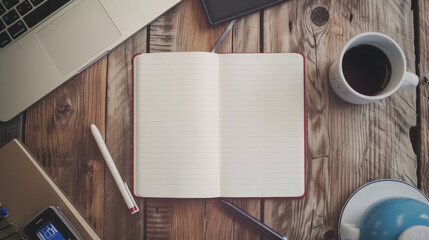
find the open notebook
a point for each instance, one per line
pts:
(219, 125)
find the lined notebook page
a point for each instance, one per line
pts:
(176, 107)
(262, 125)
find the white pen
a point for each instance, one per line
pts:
(123, 187)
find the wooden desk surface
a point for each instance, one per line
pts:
(347, 145)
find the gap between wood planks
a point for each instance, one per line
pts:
(415, 132)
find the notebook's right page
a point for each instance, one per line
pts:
(262, 125)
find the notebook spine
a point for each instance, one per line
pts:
(8, 229)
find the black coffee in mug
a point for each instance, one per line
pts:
(367, 69)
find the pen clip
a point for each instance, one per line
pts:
(136, 208)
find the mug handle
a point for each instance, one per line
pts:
(349, 231)
(411, 80)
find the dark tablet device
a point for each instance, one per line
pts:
(51, 224)
(218, 11)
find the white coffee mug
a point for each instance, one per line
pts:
(399, 78)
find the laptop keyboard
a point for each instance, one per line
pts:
(19, 16)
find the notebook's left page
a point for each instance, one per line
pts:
(176, 125)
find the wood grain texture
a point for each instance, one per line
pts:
(423, 8)
(347, 145)
(12, 129)
(119, 140)
(182, 29)
(175, 219)
(57, 133)
(246, 34)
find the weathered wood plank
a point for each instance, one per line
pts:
(12, 129)
(220, 224)
(245, 39)
(182, 29)
(246, 34)
(119, 140)
(347, 145)
(175, 219)
(243, 230)
(57, 133)
(423, 7)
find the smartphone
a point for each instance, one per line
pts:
(51, 224)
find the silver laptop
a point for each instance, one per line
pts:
(45, 42)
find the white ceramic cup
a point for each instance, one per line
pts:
(399, 78)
